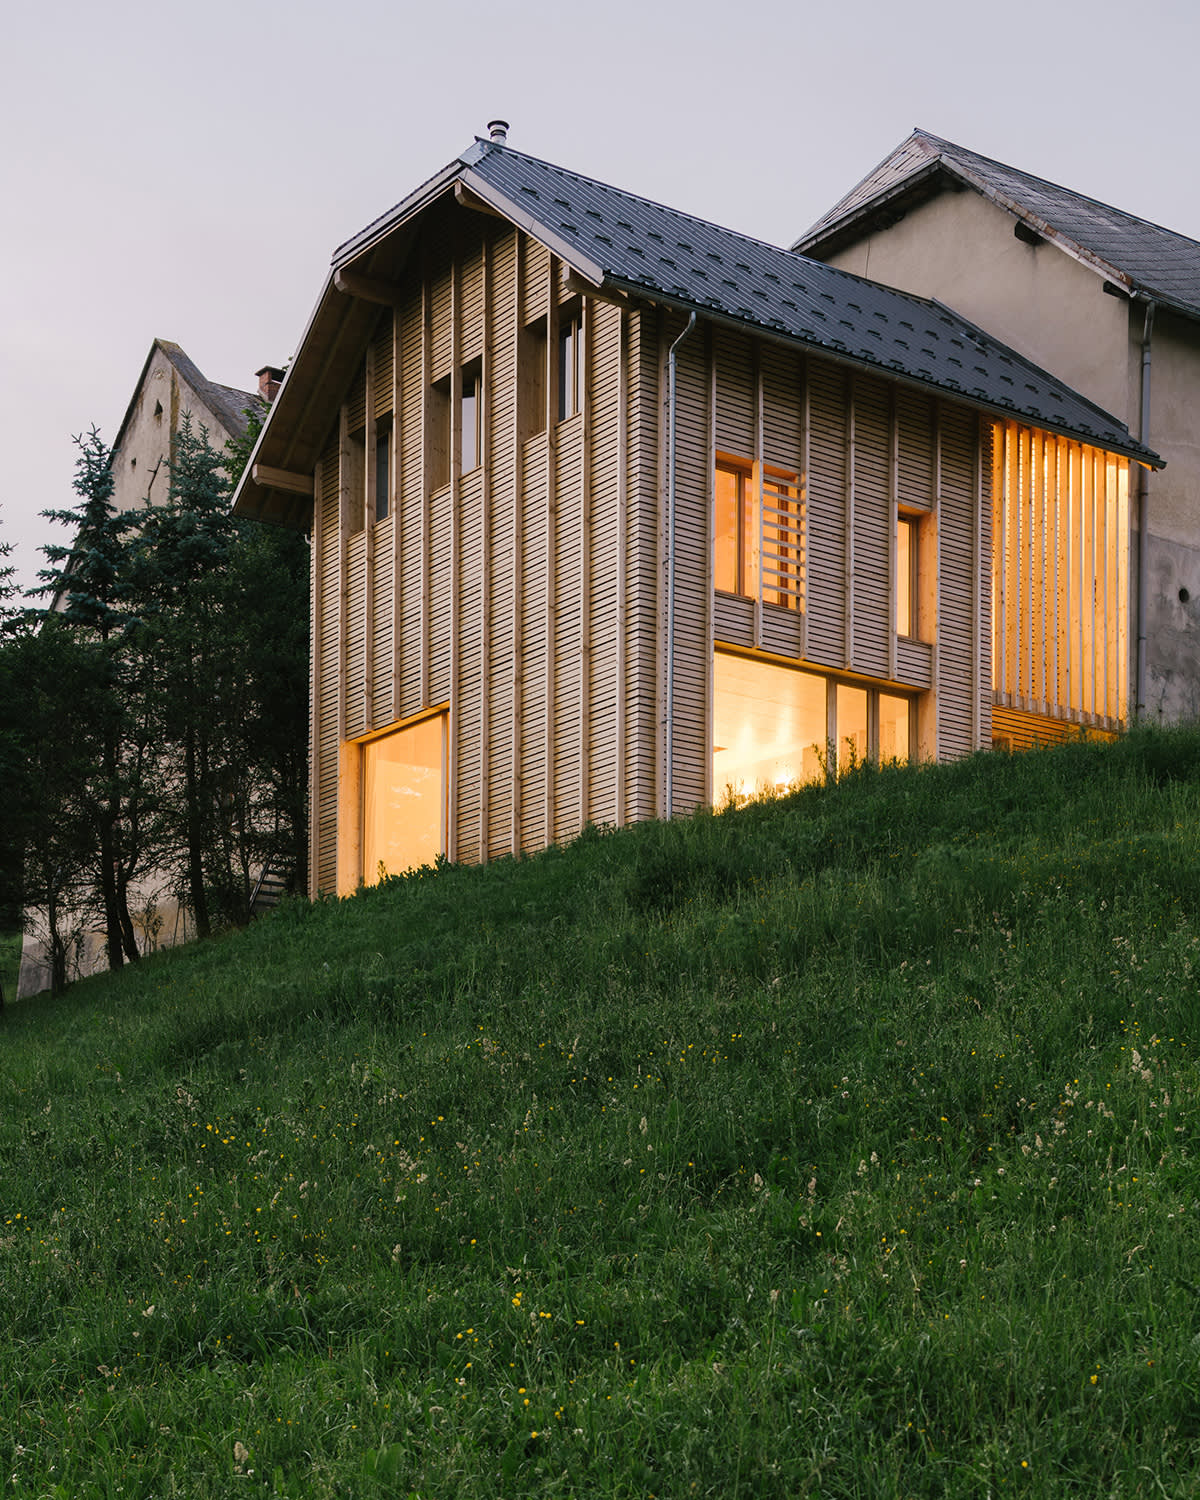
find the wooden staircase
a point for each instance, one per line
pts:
(269, 887)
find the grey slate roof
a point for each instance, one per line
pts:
(225, 401)
(1134, 253)
(617, 239)
(625, 245)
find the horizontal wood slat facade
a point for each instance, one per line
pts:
(519, 578)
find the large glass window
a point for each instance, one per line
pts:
(404, 802)
(770, 727)
(776, 727)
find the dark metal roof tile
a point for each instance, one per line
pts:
(860, 307)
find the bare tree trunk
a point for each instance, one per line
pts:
(195, 855)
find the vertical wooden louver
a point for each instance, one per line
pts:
(1060, 645)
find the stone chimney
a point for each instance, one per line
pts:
(269, 381)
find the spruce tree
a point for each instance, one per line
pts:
(88, 586)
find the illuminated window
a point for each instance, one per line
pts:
(851, 735)
(758, 533)
(770, 727)
(895, 728)
(404, 802)
(907, 552)
(777, 727)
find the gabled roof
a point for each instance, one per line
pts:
(224, 401)
(624, 245)
(1133, 253)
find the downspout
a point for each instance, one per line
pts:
(1143, 511)
(691, 323)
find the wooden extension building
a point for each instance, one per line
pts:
(616, 513)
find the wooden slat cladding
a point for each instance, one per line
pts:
(1061, 579)
(1014, 729)
(961, 630)
(383, 382)
(519, 577)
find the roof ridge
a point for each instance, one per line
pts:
(1058, 187)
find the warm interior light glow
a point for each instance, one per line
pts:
(906, 527)
(735, 533)
(852, 742)
(403, 800)
(769, 727)
(895, 718)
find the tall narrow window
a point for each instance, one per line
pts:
(895, 728)
(853, 744)
(354, 480)
(531, 380)
(746, 553)
(437, 434)
(383, 467)
(735, 536)
(570, 361)
(907, 535)
(472, 415)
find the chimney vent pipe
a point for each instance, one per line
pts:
(498, 130)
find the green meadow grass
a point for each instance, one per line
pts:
(843, 1145)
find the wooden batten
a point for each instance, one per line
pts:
(517, 589)
(621, 564)
(1059, 580)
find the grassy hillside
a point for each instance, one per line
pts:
(842, 1146)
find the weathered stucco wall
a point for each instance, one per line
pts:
(141, 457)
(961, 249)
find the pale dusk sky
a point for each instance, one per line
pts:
(185, 172)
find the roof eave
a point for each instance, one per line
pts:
(849, 225)
(1132, 450)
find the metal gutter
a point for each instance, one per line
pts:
(1143, 512)
(670, 748)
(1013, 413)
